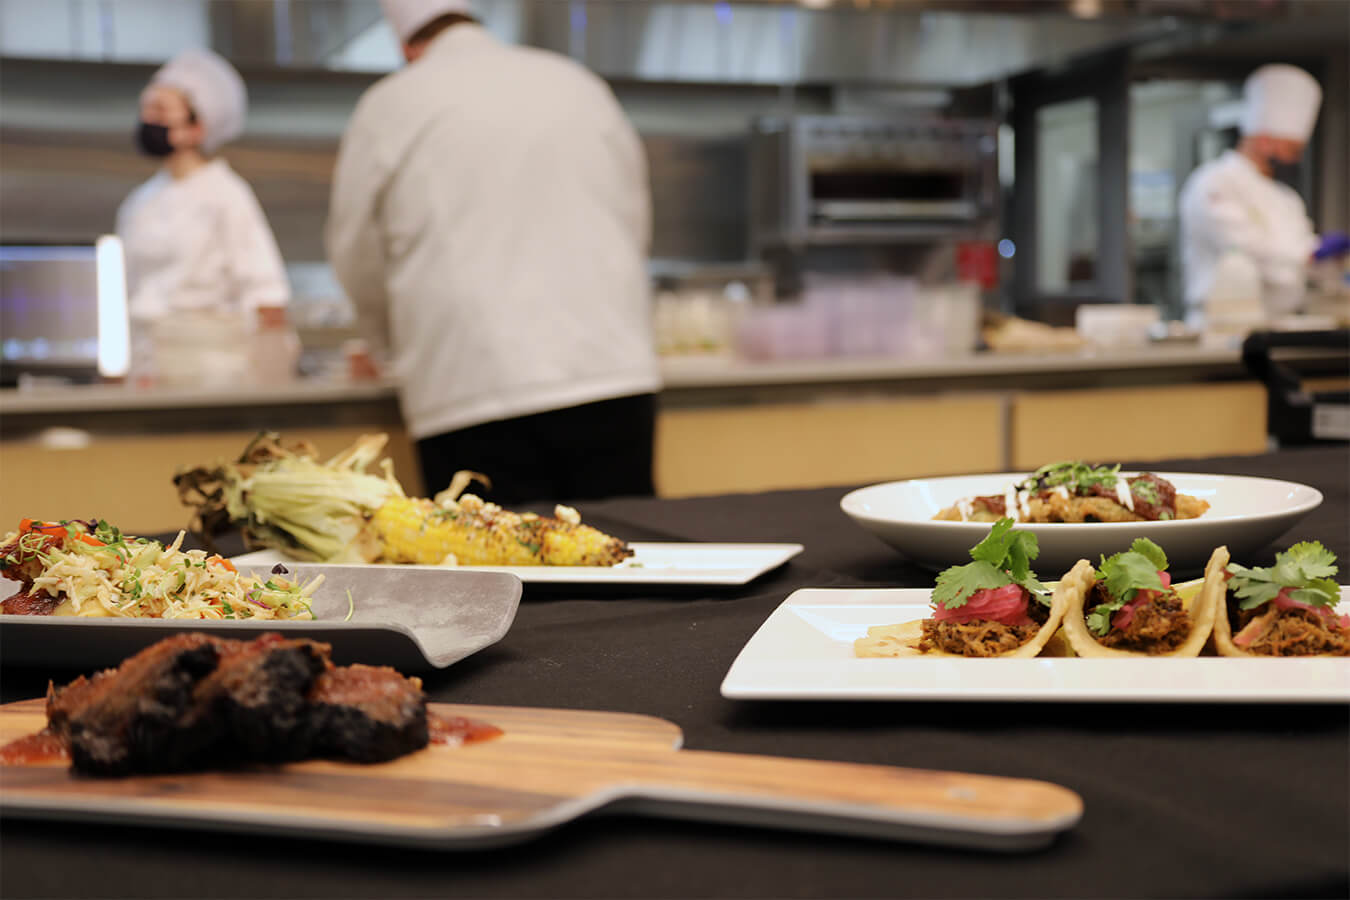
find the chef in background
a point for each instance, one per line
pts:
(204, 275)
(1246, 237)
(490, 220)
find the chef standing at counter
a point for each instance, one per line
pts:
(203, 269)
(490, 220)
(1243, 233)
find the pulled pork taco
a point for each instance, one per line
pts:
(1128, 607)
(1288, 609)
(992, 606)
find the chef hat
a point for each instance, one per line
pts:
(407, 16)
(214, 89)
(1281, 101)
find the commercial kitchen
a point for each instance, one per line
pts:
(892, 242)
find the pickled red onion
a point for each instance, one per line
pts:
(1284, 601)
(1006, 605)
(1125, 615)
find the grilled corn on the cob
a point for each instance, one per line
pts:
(335, 511)
(471, 532)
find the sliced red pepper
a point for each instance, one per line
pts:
(57, 530)
(31, 526)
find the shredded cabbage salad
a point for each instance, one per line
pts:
(98, 571)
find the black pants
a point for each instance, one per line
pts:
(586, 452)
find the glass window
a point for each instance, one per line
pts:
(1174, 126)
(1066, 183)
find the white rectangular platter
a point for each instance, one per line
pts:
(651, 563)
(804, 651)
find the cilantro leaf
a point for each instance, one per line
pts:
(994, 548)
(1323, 592)
(1123, 576)
(955, 585)
(1077, 476)
(107, 533)
(1011, 551)
(1145, 490)
(1002, 558)
(1253, 587)
(1151, 551)
(1303, 562)
(1099, 619)
(1305, 568)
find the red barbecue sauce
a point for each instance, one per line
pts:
(456, 730)
(34, 749)
(45, 747)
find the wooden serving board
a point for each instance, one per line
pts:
(549, 767)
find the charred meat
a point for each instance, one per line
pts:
(30, 603)
(367, 714)
(125, 719)
(21, 555)
(192, 701)
(254, 704)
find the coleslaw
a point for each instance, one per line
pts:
(90, 569)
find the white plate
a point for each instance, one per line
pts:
(411, 620)
(804, 651)
(651, 563)
(1246, 514)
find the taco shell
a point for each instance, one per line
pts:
(1216, 590)
(1200, 607)
(903, 639)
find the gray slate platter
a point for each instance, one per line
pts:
(411, 619)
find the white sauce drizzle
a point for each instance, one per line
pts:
(966, 506)
(1123, 494)
(1062, 491)
(1024, 504)
(1010, 500)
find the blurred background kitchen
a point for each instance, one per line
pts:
(875, 223)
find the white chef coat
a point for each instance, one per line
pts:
(199, 243)
(490, 219)
(1226, 206)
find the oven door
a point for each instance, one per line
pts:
(857, 195)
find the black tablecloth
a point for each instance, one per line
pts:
(1185, 800)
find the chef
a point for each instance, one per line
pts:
(1243, 233)
(490, 219)
(200, 255)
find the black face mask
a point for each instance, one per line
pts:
(153, 140)
(1284, 172)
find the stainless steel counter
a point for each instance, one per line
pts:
(689, 381)
(696, 372)
(115, 409)
(111, 398)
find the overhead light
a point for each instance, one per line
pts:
(114, 332)
(1085, 9)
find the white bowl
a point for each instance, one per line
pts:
(1246, 514)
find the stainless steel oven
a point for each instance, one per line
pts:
(833, 179)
